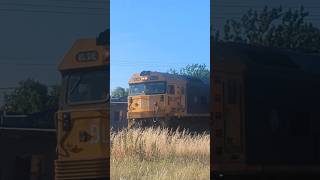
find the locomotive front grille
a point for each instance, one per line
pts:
(81, 169)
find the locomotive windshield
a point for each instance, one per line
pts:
(147, 88)
(87, 86)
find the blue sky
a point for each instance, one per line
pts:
(157, 35)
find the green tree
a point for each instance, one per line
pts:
(120, 92)
(53, 97)
(274, 27)
(31, 96)
(195, 70)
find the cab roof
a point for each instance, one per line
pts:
(162, 76)
(85, 53)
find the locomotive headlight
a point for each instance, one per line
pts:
(144, 78)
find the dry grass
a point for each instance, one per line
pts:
(159, 154)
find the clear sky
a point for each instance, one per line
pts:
(157, 35)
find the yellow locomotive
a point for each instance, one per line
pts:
(82, 120)
(167, 100)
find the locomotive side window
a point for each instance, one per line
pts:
(171, 89)
(155, 88)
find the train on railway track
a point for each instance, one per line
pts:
(82, 120)
(169, 101)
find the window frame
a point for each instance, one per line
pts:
(150, 82)
(66, 78)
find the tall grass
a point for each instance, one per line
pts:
(159, 154)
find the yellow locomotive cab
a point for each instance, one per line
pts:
(82, 119)
(167, 100)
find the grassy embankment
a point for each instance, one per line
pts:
(159, 154)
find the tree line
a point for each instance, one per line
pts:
(30, 97)
(273, 27)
